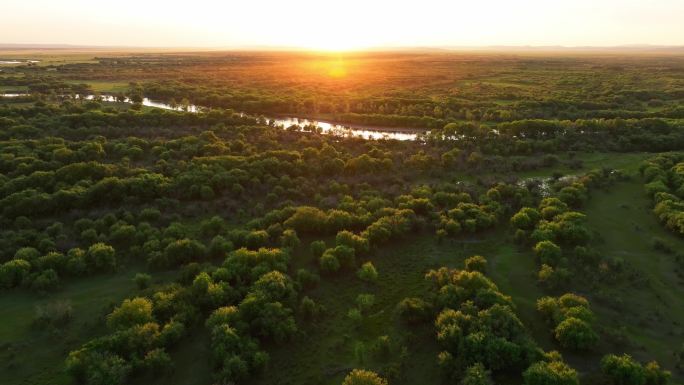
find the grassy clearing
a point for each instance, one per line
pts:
(12, 88)
(651, 309)
(91, 298)
(325, 350)
(103, 86)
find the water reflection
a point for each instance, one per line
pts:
(19, 61)
(289, 123)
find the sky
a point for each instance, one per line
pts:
(342, 24)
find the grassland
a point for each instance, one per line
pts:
(324, 351)
(189, 162)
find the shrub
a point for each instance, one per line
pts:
(548, 253)
(365, 302)
(142, 281)
(289, 239)
(308, 308)
(317, 248)
(367, 272)
(550, 373)
(413, 310)
(307, 279)
(328, 262)
(55, 314)
(477, 374)
(363, 377)
(476, 263)
(574, 333)
(101, 257)
(132, 312)
(45, 280)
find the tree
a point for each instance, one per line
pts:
(158, 360)
(363, 377)
(183, 251)
(101, 257)
(476, 263)
(307, 220)
(477, 374)
(289, 239)
(275, 286)
(317, 248)
(136, 311)
(13, 272)
(219, 247)
(328, 262)
(622, 370)
(367, 272)
(548, 253)
(525, 219)
(351, 240)
(97, 368)
(413, 310)
(267, 320)
(550, 373)
(575, 333)
(655, 375)
(256, 239)
(142, 280)
(45, 280)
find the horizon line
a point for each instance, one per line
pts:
(284, 48)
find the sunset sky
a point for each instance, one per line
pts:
(342, 24)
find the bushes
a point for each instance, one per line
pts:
(572, 319)
(476, 263)
(548, 253)
(307, 220)
(54, 314)
(44, 281)
(575, 333)
(328, 262)
(550, 373)
(363, 377)
(349, 239)
(664, 176)
(623, 370)
(334, 259)
(289, 239)
(13, 273)
(414, 310)
(477, 374)
(136, 311)
(367, 272)
(477, 324)
(181, 251)
(317, 248)
(101, 257)
(142, 281)
(97, 368)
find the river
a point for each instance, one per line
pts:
(299, 124)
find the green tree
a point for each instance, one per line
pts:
(136, 311)
(367, 272)
(550, 373)
(363, 377)
(477, 374)
(476, 263)
(101, 257)
(574, 333)
(548, 253)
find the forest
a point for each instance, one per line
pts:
(532, 233)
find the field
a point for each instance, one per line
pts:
(240, 241)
